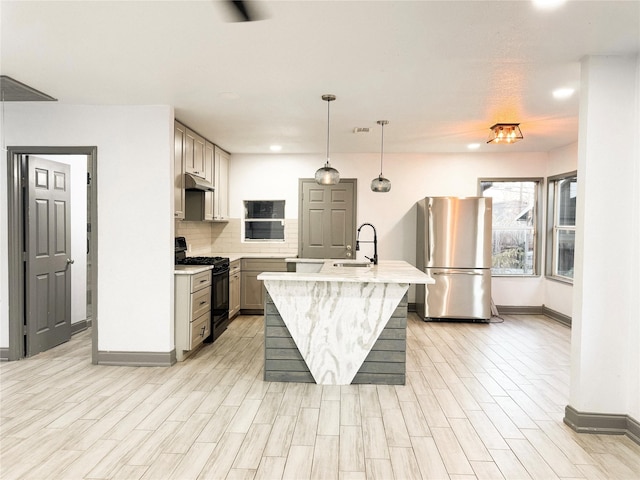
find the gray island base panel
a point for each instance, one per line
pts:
(384, 364)
(339, 325)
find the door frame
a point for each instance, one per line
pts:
(16, 228)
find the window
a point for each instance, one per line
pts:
(515, 224)
(264, 220)
(561, 225)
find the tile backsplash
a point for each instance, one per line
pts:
(219, 238)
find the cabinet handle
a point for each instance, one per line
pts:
(202, 331)
(203, 302)
(204, 281)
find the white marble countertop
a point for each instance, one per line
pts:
(190, 269)
(307, 260)
(238, 256)
(387, 271)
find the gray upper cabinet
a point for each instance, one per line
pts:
(179, 138)
(209, 174)
(194, 153)
(198, 156)
(221, 202)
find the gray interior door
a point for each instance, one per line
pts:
(327, 219)
(48, 260)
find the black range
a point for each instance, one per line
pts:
(219, 286)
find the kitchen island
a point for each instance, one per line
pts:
(344, 323)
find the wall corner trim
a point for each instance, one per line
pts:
(602, 423)
(137, 359)
(535, 310)
(557, 316)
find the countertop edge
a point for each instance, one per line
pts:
(398, 271)
(190, 269)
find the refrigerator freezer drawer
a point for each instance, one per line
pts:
(459, 293)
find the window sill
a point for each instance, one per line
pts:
(566, 281)
(263, 240)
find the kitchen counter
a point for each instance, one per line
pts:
(237, 255)
(190, 269)
(335, 318)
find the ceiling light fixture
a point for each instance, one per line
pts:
(505, 133)
(473, 146)
(275, 148)
(562, 93)
(381, 184)
(548, 4)
(327, 175)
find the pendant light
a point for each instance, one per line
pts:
(381, 184)
(327, 175)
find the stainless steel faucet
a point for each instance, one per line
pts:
(373, 260)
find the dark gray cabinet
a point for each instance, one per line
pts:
(251, 291)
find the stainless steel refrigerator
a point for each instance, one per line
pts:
(454, 248)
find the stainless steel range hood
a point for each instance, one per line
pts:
(191, 182)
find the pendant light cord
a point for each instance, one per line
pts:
(4, 141)
(328, 129)
(381, 148)
(382, 123)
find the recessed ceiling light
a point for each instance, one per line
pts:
(562, 93)
(275, 148)
(548, 4)
(229, 95)
(473, 146)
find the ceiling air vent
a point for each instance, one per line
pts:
(361, 130)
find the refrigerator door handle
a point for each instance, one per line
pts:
(457, 272)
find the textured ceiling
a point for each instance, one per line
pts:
(441, 72)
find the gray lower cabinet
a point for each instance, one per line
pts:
(251, 291)
(234, 288)
(192, 311)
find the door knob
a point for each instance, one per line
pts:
(349, 248)
(69, 262)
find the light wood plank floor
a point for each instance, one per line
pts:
(481, 402)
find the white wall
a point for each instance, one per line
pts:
(605, 358)
(135, 212)
(413, 176)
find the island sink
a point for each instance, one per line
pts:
(353, 264)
